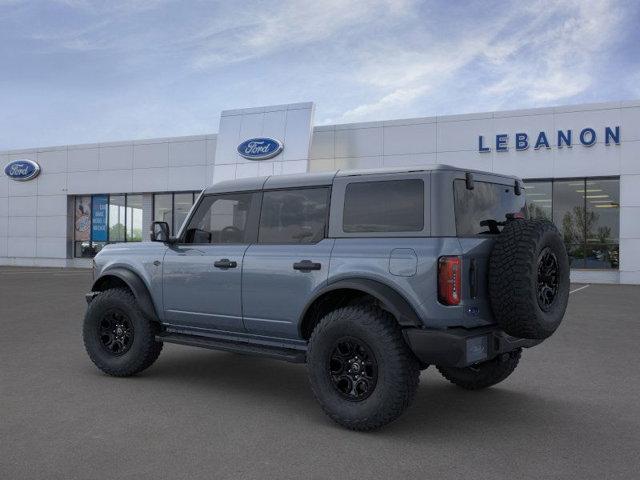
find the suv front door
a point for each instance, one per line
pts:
(289, 262)
(202, 272)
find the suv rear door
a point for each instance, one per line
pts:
(289, 261)
(480, 213)
(202, 272)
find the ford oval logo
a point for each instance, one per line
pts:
(22, 170)
(260, 148)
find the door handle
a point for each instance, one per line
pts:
(225, 263)
(306, 265)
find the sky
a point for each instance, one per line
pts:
(80, 71)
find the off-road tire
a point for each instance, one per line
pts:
(484, 374)
(144, 349)
(514, 278)
(398, 371)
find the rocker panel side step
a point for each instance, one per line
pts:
(286, 354)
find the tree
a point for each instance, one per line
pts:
(116, 232)
(604, 234)
(577, 225)
(536, 212)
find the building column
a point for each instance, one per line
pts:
(629, 229)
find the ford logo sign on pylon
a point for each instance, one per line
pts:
(260, 148)
(22, 170)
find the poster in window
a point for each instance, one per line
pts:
(82, 219)
(99, 208)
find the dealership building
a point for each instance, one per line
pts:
(581, 165)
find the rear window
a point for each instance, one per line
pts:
(483, 209)
(385, 206)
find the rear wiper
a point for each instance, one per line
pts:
(493, 225)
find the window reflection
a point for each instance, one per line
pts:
(172, 208)
(587, 214)
(134, 218)
(101, 219)
(568, 210)
(603, 223)
(163, 208)
(182, 204)
(82, 227)
(539, 200)
(117, 218)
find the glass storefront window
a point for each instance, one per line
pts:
(603, 223)
(539, 199)
(587, 214)
(82, 227)
(569, 217)
(172, 208)
(182, 203)
(134, 218)
(163, 208)
(117, 218)
(568, 210)
(102, 219)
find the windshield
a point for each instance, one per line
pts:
(483, 210)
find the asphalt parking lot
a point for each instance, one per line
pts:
(571, 409)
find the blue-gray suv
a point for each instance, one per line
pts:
(365, 276)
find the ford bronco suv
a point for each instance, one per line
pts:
(365, 276)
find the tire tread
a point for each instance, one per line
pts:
(405, 368)
(512, 265)
(486, 375)
(150, 347)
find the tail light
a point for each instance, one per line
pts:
(449, 274)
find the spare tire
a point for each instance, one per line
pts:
(529, 278)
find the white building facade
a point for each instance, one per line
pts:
(581, 165)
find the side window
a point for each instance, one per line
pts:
(384, 206)
(294, 216)
(220, 219)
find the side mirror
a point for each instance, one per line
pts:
(159, 232)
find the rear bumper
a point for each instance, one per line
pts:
(460, 347)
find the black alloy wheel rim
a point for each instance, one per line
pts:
(353, 369)
(548, 278)
(115, 332)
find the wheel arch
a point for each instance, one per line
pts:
(119, 277)
(348, 290)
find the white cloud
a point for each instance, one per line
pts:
(554, 63)
(253, 33)
(160, 68)
(404, 76)
(397, 98)
(544, 52)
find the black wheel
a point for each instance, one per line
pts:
(119, 339)
(353, 369)
(529, 279)
(361, 371)
(484, 374)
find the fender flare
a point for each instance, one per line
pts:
(135, 284)
(391, 300)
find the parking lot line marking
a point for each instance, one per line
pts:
(580, 288)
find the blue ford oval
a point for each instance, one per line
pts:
(22, 170)
(260, 148)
